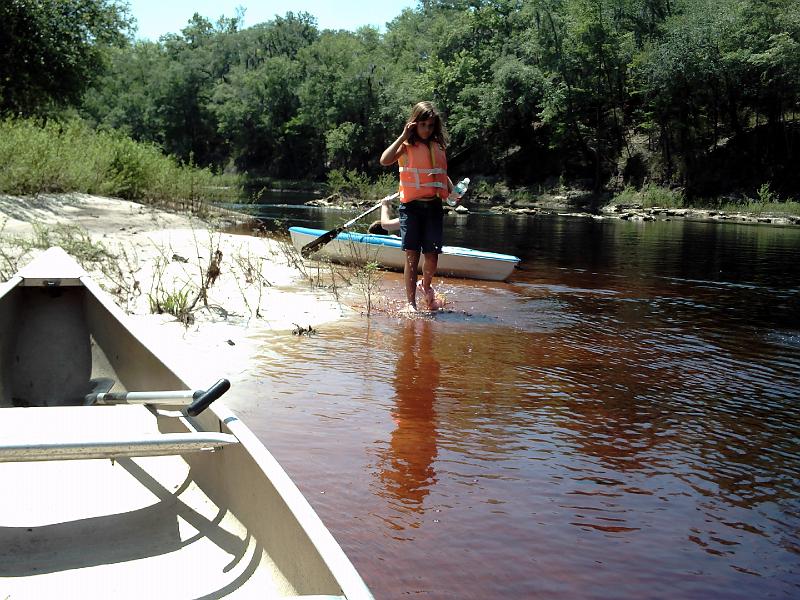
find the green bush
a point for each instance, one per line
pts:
(348, 182)
(488, 188)
(657, 196)
(766, 195)
(356, 184)
(759, 208)
(627, 197)
(175, 303)
(650, 196)
(71, 157)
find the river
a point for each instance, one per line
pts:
(620, 419)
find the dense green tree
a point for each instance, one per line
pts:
(719, 68)
(52, 50)
(125, 97)
(256, 103)
(252, 108)
(342, 92)
(593, 91)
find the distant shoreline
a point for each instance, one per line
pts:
(560, 204)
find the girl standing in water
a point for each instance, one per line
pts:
(424, 184)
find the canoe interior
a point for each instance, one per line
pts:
(132, 528)
(207, 524)
(55, 341)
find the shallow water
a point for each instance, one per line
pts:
(619, 420)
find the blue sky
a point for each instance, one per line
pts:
(157, 17)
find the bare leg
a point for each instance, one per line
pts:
(410, 270)
(428, 271)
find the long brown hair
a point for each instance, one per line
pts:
(423, 111)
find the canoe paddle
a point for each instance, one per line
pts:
(328, 236)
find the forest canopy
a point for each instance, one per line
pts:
(702, 94)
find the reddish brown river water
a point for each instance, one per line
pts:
(619, 420)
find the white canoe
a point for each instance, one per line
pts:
(135, 500)
(363, 248)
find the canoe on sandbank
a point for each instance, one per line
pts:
(112, 489)
(363, 248)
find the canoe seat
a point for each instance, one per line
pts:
(144, 445)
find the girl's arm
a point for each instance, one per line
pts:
(393, 152)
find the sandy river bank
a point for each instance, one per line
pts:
(140, 254)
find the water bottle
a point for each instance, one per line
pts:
(458, 191)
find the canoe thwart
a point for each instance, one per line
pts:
(167, 398)
(164, 444)
(196, 400)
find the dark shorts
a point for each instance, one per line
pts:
(421, 225)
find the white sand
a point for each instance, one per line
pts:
(257, 290)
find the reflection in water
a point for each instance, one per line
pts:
(406, 466)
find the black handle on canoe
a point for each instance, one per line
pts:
(203, 400)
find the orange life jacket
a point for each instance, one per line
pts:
(423, 172)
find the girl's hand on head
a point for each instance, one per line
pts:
(408, 129)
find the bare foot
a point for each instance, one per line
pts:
(435, 304)
(430, 297)
(408, 309)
